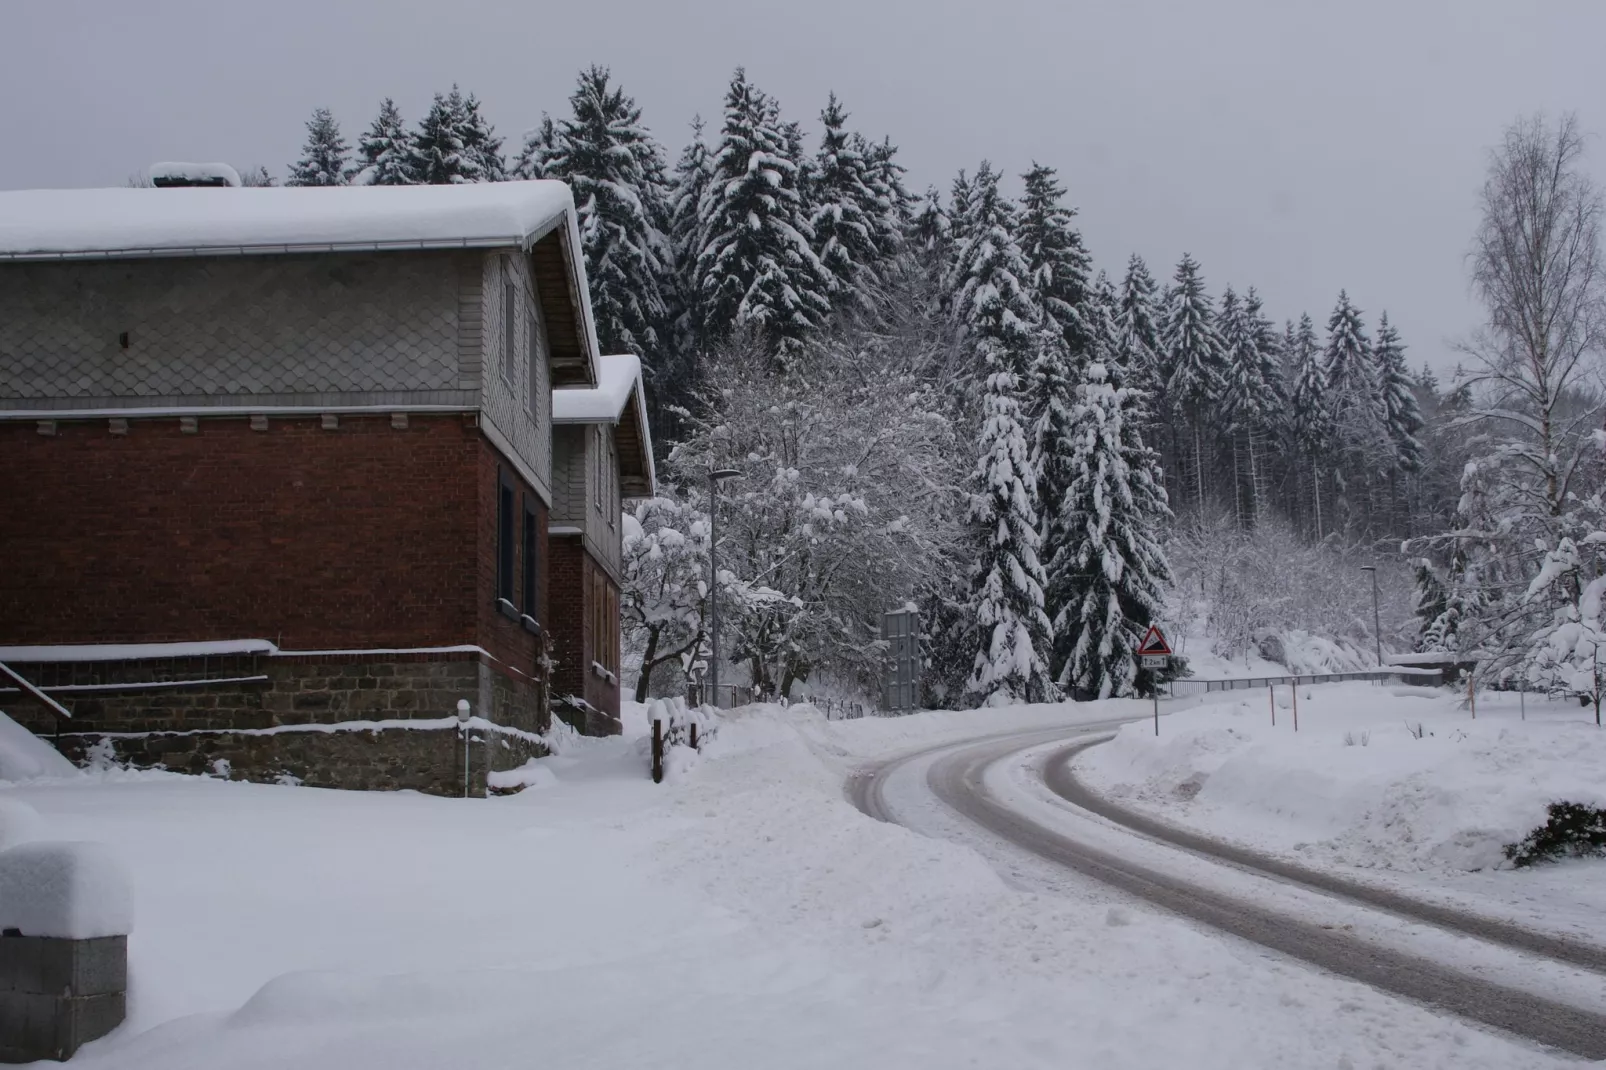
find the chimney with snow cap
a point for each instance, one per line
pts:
(168, 175)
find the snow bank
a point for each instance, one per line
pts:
(1355, 785)
(532, 774)
(19, 823)
(24, 755)
(70, 890)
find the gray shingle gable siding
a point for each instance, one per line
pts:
(318, 326)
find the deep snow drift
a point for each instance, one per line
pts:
(740, 915)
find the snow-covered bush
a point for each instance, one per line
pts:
(663, 604)
(1573, 830)
(846, 506)
(1258, 584)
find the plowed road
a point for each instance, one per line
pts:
(1546, 989)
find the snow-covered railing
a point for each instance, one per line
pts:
(838, 709)
(675, 724)
(1399, 674)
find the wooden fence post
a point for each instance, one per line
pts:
(657, 751)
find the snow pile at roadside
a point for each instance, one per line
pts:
(1355, 785)
(24, 755)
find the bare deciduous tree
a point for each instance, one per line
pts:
(1536, 264)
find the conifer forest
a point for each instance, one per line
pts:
(943, 397)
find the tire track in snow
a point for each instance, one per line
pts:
(957, 780)
(1062, 781)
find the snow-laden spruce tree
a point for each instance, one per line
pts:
(1310, 420)
(958, 210)
(928, 229)
(990, 299)
(539, 145)
(1138, 341)
(756, 269)
(1402, 416)
(384, 152)
(1567, 654)
(1058, 265)
(1192, 359)
(1111, 568)
(1249, 402)
(325, 158)
(844, 234)
(1055, 384)
(1350, 368)
(480, 143)
(454, 144)
(1011, 628)
(891, 207)
(604, 153)
(1364, 450)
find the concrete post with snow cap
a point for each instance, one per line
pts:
(66, 910)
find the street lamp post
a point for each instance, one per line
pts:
(715, 477)
(1377, 628)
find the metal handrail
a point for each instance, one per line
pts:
(22, 682)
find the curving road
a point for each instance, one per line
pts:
(957, 777)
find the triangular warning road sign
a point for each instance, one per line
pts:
(1154, 642)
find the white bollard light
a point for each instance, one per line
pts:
(462, 720)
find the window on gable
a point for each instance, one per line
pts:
(613, 486)
(533, 333)
(510, 321)
(504, 537)
(596, 465)
(531, 548)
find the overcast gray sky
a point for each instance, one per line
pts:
(1296, 146)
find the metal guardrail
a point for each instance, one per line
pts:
(1190, 686)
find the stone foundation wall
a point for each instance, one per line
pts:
(351, 721)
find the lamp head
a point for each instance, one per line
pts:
(719, 474)
(462, 709)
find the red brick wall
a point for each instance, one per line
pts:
(506, 639)
(362, 536)
(574, 645)
(568, 575)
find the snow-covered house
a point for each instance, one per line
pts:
(279, 459)
(601, 454)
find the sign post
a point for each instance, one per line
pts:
(1154, 653)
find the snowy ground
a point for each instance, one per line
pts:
(1355, 790)
(740, 915)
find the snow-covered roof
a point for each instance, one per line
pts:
(138, 223)
(617, 375)
(90, 223)
(1438, 657)
(618, 398)
(193, 174)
